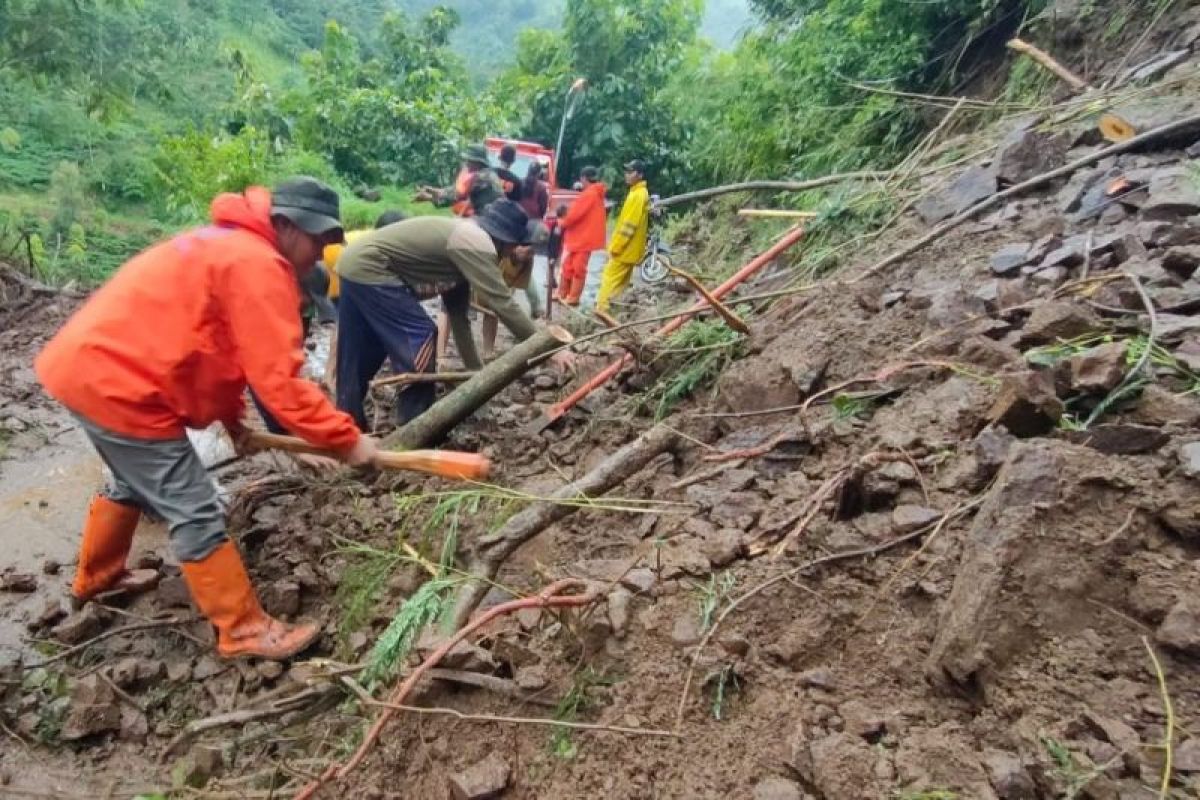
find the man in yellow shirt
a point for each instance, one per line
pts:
(628, 243)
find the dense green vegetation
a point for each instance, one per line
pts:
(120, 119)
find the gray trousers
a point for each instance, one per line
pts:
(167, 477)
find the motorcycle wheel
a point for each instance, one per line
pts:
(654, 268)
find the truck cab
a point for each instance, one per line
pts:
(528, 153)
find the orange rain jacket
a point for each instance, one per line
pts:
(584, 222)
(173, 338)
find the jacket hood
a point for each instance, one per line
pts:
(596, 187)
(250, 210)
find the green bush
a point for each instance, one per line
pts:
(193, 168)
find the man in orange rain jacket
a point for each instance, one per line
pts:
(171, 341)
(583, 232)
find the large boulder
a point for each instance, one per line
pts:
(1030, 561)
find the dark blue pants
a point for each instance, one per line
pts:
(378, 322)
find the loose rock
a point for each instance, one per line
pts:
(1187, 756)
(1189, 459)
(1173, 195)
(1028, 153)
(197, 768)
(81, 626)
(1119, 438)
(1027, 405)
(1098, 370)
(777, 789)
(281, 598)
(532, 678)
(1008, 260)
(1056, 320)
(485, 780)
(1159, 407)
(686, 630)
(973, 185)
(1009, 777)
(908, 518)
(1181, 629)
(18, 582)
(94, 709)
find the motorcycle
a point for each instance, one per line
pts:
(656, 264)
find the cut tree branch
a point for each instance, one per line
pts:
(1046, 60)
(492, 550)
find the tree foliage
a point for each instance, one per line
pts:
(798, 71)
(399, 116)
(628, 51)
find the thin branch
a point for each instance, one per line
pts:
(141, 626)
(579, 726)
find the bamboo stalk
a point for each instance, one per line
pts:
(781, 213)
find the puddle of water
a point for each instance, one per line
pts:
(43, 499)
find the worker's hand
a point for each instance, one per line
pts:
(239, 434)
(565, 361)
(363, 453)
(316, 463)
(561, 211)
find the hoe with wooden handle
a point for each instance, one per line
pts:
(444, 463)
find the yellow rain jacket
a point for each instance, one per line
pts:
(628, 242)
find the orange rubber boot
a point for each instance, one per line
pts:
(222, 590)
(564, 285)
(107, 539)
(577, 284)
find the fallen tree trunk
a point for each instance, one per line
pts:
(491, 551)
(773, 186)
(434, 424)
(1155, 135)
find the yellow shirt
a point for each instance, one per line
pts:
(330, 257)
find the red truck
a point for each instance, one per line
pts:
(527, 153)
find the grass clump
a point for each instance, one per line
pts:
(701, 350)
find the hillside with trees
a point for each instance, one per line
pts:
(121, 118)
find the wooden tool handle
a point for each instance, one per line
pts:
(444, 463)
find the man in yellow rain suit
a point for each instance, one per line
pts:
(628, 243)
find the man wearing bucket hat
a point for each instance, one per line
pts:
(475, 188)
(387, 273)
(171, 342)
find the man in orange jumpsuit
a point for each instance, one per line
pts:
(583, 232)
(171, 342)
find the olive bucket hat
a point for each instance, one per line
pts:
(311, 205)
(476, 153)
(505, 221)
